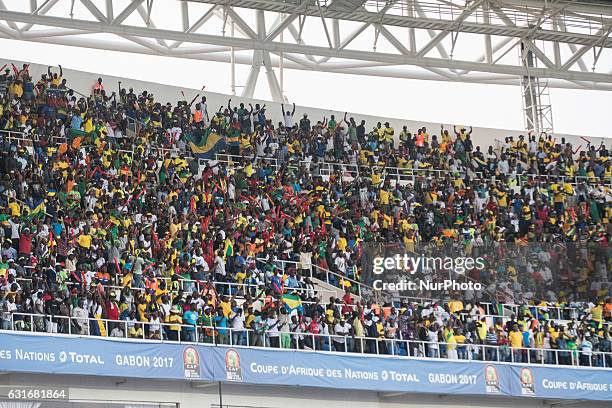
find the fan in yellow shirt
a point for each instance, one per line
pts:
(455, 306)
(384, 196)
(15, 209)
(376, 177)
(502, 198)
(84, 241)
(342, 243)
(515, 337)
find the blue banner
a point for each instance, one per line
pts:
(355, 372)
(64, 355)
(140, 359)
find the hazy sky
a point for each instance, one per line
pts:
(574, 112)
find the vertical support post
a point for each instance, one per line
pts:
(232, 63)
(185, 15)
(529, 87)
(409, 11)
(281, 69)
(249, 87)
(537, 110)
(487, 37)
(556, 45)
(110, 15)
(336, 32)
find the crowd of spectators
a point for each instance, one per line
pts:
(106, 214)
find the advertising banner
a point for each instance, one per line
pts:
(357, 372)
(80, 356)
(105, 357)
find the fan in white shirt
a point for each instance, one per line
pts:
(288, 116)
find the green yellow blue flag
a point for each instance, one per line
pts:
(36, 209)
(292, 302)
(87, 137)
(205, 144)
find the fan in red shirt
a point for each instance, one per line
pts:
(25, 242)
(112, 310)
(347, 299)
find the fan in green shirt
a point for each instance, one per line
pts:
(332, 123)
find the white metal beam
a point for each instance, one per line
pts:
(145, 15)
(432, 34)
(456, 24)
(249, 86)
(240, 23)
(145, 42)
(42, 9)
(273, 84)
(287, 20)
(95, 11)
(329, 41)
(298, 39)
(344, 43)
(185, 15)
(393, 40)
(110, 11)
(573, 48)
(336, 32)
(527, 23)
(411, 31)
(10, 23)
(282, 25)
(126, 12)
(488, 54)
(526, 38)
(378, 69)
(584, 49)
(8, 32)
(197, 25)
(34, 34)
(437, 23)
(538, 53)
(246, 43)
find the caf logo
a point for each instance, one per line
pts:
(191, 362)
(492, 379)
(232, 365)
(527, 382)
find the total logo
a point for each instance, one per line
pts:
(63, 357)
(79, 358)
(399, 377)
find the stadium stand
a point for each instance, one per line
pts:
(124, 217)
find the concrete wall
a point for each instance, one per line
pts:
(83, 82)
(120, 392)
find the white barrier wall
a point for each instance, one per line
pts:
(84, 81)
(183, 394)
